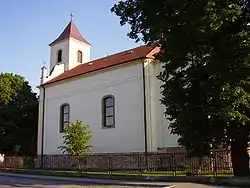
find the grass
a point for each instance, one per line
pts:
(107, 173)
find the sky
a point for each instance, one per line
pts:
(28, 26)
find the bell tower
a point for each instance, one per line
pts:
(68, 50)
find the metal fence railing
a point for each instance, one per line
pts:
(136, 163)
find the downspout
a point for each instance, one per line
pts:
(43, 116)
(145, 108)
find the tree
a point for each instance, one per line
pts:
(77, 140)
(18, 116)
(206, 81)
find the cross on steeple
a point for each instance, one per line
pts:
(71, 17)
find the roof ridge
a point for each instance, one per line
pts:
(119, 53)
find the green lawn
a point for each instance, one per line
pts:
(136, 173)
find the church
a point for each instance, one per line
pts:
(117, 95)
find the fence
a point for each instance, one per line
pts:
(136, 163)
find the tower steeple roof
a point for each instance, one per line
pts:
(70, 31)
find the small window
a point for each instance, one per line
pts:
(79, 56)
(64, 116)
(59, 56)
(108, 106)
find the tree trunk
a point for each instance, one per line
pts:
(240, 158)
(78, 163)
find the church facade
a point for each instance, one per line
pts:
(118, 96)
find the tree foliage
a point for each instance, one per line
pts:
(18, 115)
(77, 139)
(206, 70)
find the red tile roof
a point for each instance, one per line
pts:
(70, 31)
(112, 60)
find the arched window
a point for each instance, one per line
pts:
(79, 56)
(59, 56)
(64, 116)
(108, 115)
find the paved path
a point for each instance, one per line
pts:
(193, 185)
(7, 181)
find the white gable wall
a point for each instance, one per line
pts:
(85, 95)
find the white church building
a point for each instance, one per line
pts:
(117, 95)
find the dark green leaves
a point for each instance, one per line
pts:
(206, 65)
(18, 115)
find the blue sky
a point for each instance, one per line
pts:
(28, 26)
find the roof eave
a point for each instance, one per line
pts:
(50, 82)
(59, 41)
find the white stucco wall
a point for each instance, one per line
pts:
(57, 70)
(84, 96)
(64, 46)
(159, 134)
(40, 122)
(74, 46)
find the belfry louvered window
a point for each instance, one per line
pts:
(59, 56)
(79, 56)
